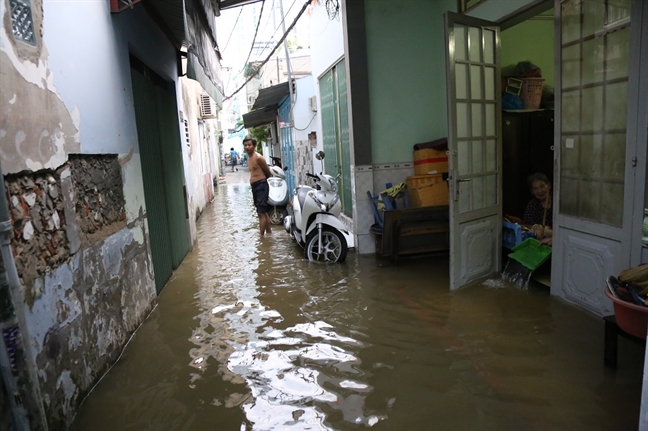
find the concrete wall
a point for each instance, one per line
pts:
(406, 60)
(532, 41)
(327, 39)
(327, 48)
(305, 123)
(71, 94)
(200, 150)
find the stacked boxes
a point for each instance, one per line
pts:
(427, 190)
(430, 161)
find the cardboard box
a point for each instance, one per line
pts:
(429, 161)
(427, 190)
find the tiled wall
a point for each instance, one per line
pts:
(303, 161)
(372, 178)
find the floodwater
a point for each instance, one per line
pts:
(249, 336)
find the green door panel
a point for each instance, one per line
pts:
(344, 148)
(148, 133)
(335, 130)
(173, 174)
(162, 170)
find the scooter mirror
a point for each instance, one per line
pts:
(319, 155)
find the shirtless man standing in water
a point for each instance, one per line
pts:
(259, 174)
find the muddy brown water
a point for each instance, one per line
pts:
(247, 335)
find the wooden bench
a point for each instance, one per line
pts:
(415, 231)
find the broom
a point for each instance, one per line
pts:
(544, 217)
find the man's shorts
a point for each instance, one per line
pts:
(260, 192)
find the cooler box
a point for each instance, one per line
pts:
(429, 161)
(427, 190)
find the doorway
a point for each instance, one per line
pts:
(527, 62)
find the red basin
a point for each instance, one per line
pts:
(631, 318)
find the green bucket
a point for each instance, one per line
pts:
(531, 253)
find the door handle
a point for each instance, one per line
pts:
(455, 187)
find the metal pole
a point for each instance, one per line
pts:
(290, 88)
(11, 340)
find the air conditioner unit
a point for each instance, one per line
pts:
(207, 107)
(313, 103)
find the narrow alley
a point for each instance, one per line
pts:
(247, 335)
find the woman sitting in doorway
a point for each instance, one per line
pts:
(538, 212)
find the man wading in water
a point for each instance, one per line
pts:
(259, 174)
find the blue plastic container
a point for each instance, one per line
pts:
(513, 234)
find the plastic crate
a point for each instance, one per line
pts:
(513, 234)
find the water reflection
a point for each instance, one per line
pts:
(248, 335)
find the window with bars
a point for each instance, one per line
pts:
(22, 24)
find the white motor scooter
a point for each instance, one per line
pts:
(314, 223)
(277, 195)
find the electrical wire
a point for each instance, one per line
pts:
(233, 28)
(269, 16)
(255, 35)
(309, 123)
(301, 12)
(283, 18)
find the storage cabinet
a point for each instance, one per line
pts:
(527, 139)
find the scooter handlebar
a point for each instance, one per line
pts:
(308, 174)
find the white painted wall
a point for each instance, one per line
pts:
(304, 120)
(327, 40)
(327, 48)
(88, 58)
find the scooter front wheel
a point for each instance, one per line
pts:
(277, 215)
(334, 247)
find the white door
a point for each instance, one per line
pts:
(596, 161)
(474, 148)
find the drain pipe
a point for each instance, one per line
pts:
(22, 387)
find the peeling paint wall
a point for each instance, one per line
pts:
(36, 209)
(201, 155)
(68, 148)
(85, 312)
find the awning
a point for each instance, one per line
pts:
(266, 105)
(192, 26)
(203, 58)
(259, 117)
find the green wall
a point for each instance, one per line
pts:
(532, 41)
(406, 61)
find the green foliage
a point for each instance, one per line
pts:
(261, 134)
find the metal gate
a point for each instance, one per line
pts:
(287, 145)
(335, 130)
(162, 170)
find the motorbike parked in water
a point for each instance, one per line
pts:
(314, 224)
(277, 195)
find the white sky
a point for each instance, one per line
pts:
(240, 38)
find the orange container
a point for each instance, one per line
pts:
(430, 161)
